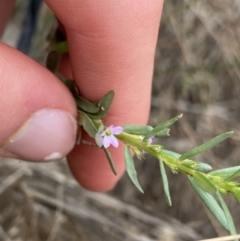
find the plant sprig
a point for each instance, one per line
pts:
(209, 185)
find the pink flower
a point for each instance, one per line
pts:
(108, 136)
(150, 140)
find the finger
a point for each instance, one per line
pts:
(5, 12)
(37, 111)
(112, 45)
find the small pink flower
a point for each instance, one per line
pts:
(108, 136)
(150, 140)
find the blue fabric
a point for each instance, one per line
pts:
(29, 25)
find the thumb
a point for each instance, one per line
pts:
(37, 119)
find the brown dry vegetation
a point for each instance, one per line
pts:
(197, 73)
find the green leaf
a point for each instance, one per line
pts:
(163, 133)
(171, 153)
(62, 47)
(204, 183)
(190, 163)
(86, 105)
(236, 194)
(53, 60)
(200, 166)
(131, 168)
(211, 203)
(68, 82)
(203, 167)
(206, 145)
(100, 128)
(136, 129)
(98, 138)
(110, 160)
(161, 127)
(227, 173)
(228, 215)
(165, 183)
(87, 124)
(104, 105)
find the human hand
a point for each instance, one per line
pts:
(111, 46)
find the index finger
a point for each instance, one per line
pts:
(111, 47)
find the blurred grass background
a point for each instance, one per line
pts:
(196, 73)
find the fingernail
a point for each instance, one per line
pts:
(48, 135)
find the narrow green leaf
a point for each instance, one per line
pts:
(131, 168)
(165, 183)
(200, 166)
(104, 105)
(236, 194)
(136, 129)
(100, 128)
(62, 47)
(98, 140)
(53, 60)
(161, 127)
(163, 133)
(228, 216)
(87, 124)
(204, 183)
(68, 82)
(110, 160)
(227, 173)
(203, 167)
(98, 137)
(171, 153)
(86, 105)
(190, 163)
(206, 145)
(71, 85)
(211, 203)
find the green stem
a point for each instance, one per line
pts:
(155, 150)
(173, 163)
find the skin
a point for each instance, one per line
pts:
(111, 47)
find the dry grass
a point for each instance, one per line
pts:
(197, 73)
(225, 238)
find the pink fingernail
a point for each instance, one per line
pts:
(48, 135)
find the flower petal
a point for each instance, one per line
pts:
(106, 141)
(113, 140)
(116, 130)
(150, 140)
(103, 133)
